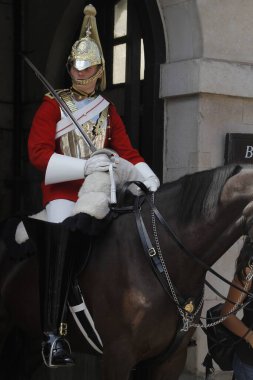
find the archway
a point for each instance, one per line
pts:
(136, 90)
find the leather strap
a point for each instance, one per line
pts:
(188, 253)
(151, 254)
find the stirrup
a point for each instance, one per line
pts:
(48, 359)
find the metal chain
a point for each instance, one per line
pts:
(234, 308)
(188, 318)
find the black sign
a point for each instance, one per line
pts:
(239, 148)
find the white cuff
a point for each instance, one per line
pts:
(62, 168)
(149, 178)
(145, 170)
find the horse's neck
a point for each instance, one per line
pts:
(206, 237)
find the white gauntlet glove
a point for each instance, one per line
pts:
(148, 176)
(98, 163)
(62, 168)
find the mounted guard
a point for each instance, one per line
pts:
(68, 151)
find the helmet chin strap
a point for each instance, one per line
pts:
(79, 94)
(89, 80)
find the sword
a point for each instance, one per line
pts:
(64, 107)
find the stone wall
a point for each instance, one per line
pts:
(207, 86)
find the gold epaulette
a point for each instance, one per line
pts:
(50, 96)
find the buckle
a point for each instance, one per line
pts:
(63, 330)
(151, 251)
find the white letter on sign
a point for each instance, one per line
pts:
(249, 151)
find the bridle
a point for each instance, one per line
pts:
(186, 309)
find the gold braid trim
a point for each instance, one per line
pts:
(66, 97)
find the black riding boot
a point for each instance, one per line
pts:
(52, 241)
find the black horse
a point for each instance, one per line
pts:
(135, 317)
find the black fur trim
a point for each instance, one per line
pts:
(87, 224)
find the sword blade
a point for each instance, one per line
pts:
(60, 102)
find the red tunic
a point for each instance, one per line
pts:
(42, 144)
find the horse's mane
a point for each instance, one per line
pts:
(200, 192)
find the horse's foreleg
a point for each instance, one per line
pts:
(171, 369)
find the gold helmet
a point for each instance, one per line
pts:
(87, 51)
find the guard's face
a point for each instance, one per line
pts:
(83, 74)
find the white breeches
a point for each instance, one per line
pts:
(94, 197)
(58, 210)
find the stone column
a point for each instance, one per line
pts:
(207, 85)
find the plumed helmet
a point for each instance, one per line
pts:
(87, 51)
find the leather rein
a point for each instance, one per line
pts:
(186, 308)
